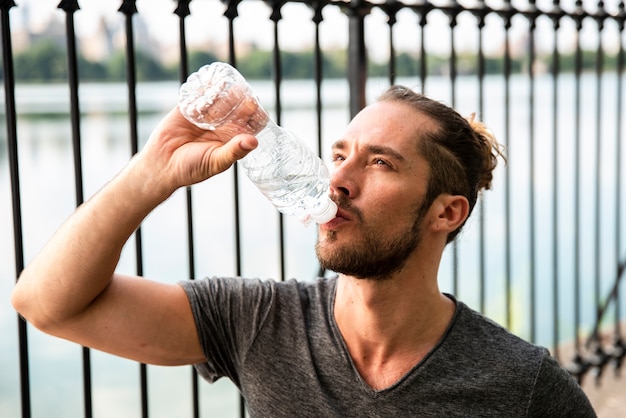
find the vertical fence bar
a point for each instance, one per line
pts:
(580, 366)
(318, 65)
(357, 53)
(70, 7)
(597, 175)
(480, 12)
(129, 9)
(507, 14)
(422, 12)
(391, 8)
(619, 345)
(392, 52)
(599, 358)
(11, 121)
(452, 12)
(182, 11)
(578, 175)
(231, 14)
(277, 73)
(277, 67)
(556, 15)
(481, 113)
(531, 15)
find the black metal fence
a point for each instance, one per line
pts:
(544, 253)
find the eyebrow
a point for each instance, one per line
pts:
(373, 149)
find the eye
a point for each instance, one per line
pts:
(337, 158)
(381, 162)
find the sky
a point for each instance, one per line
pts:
(296, 30)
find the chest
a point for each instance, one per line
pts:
(312, 374)
(329, 386)
(380, 375)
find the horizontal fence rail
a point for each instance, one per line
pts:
(543, 255)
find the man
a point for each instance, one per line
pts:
(378, 340)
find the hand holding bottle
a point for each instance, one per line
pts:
(217, 98)
(180, 154)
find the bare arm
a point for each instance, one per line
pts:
(71, 290)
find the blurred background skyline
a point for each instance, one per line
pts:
(100, 28)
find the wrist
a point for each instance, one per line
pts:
(130, 196)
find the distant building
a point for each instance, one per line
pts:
(26, 33)
(97, 46)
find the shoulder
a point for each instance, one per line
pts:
(223, 289)
(519, 364)
(557, 393)
(474, 328)
(218, 286)
(475, 342)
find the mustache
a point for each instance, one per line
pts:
(346, 205)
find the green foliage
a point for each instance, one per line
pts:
(256, 64)
(91, 71)
(298, 65)
(335, 64)
(146, 68)
(46, 61)
(259, 64)
(116, 67)
(197, 59)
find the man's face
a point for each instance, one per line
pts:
(378, 182)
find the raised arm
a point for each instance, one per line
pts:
(70, 289)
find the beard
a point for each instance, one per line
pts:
(374, 257)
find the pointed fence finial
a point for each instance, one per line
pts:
(128, 7)
(69, 6)
(6, 4)
(182, 10)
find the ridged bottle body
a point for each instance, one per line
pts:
(283, 167)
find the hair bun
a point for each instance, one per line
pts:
(492, 149)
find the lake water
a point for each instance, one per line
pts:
(47, 191)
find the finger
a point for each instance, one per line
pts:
(246, 142)
(235, 149)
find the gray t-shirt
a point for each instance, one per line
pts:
(279, 343)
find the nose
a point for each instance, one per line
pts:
(343, 180)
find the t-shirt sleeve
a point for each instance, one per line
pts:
(229, 313)
(557, 394)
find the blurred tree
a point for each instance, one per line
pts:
(46, 61)
(43, 61)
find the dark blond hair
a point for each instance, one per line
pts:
(462, 152)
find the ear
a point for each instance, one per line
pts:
(450, 212)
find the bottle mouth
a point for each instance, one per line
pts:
(326, 213)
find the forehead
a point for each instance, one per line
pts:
(389, 123)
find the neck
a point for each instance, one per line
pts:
(389, 307)
(390, 325)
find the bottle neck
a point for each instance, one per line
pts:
(270, 131)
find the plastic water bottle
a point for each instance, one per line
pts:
(282, 167)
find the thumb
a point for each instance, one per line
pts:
(245, 143)
(235, 149)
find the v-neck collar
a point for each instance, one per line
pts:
(346, 353)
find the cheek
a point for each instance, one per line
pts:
(392, 205)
